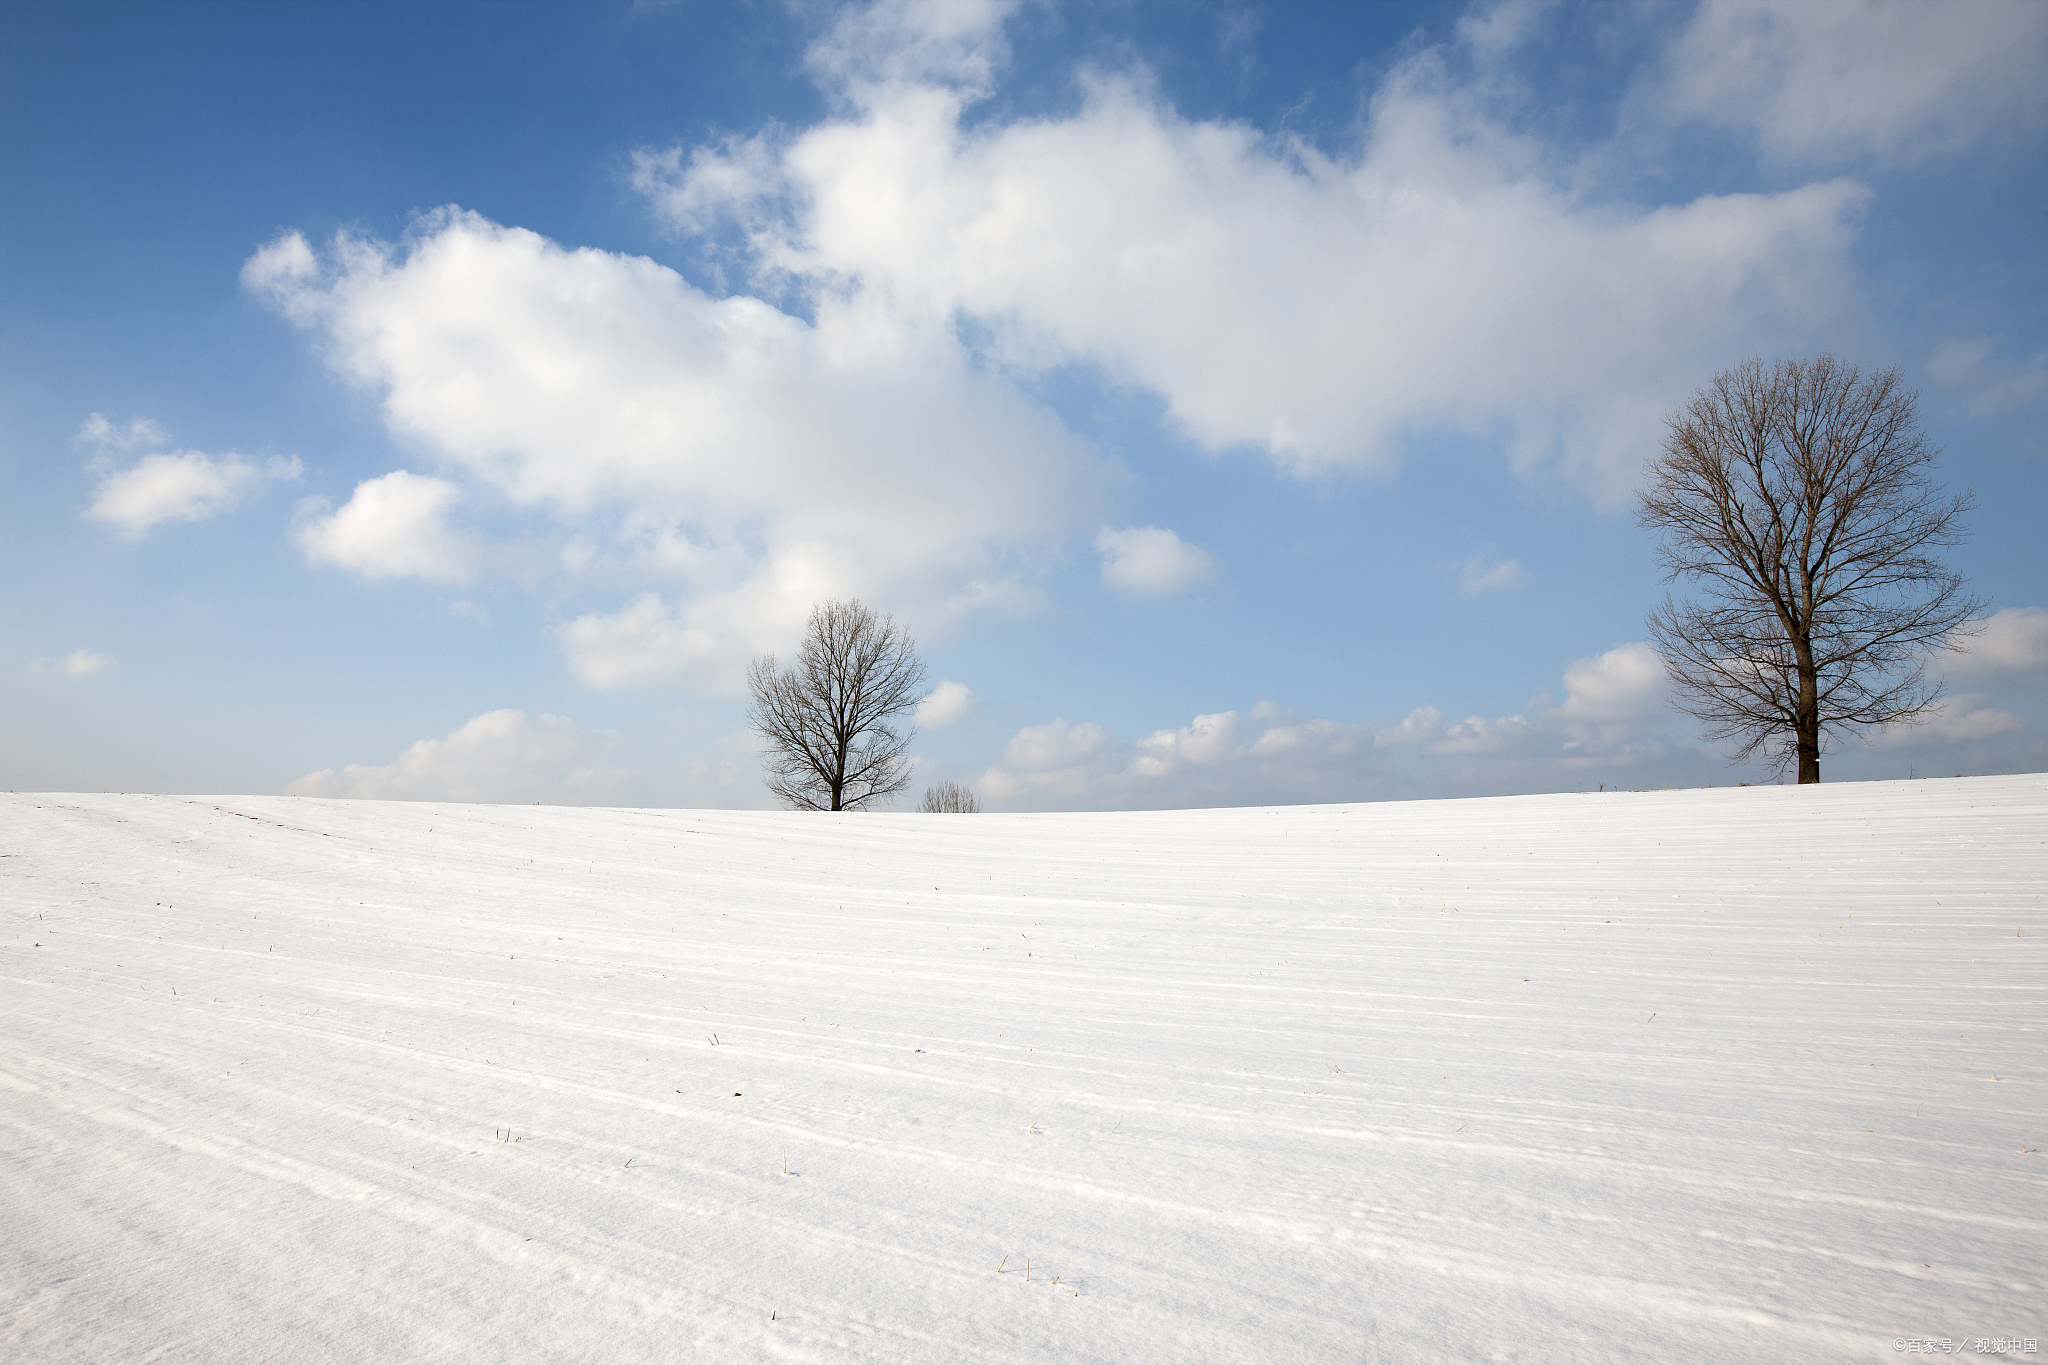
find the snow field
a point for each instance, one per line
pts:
(1719, 1074)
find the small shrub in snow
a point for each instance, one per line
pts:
(949, 798)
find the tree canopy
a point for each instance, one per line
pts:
(830, 718)
(1797, 501)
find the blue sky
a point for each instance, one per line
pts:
(1242, 404)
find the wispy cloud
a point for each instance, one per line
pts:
(1986, 381)
(80, 663)
(1888, 81)
(2013, 640)
(177, 485)
(1479, 575)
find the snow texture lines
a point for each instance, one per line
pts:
(1680, 1075)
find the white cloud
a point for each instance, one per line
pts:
(739, 462)
(1612, 714)
(1476, 576)
(879, 46)
(104, 436)
(1282, 734)
(1611, 724)
(1970, 719)
(1612, 728)
(80, 663)
(1045, 748)
(2011, 640)
(1626, 681)
(1478, 735)
(1208, 741)
(1419, 282)
(646, 642)
(1150, 561)
(1835, 80)
(714, 465)
(395, 526)
(499, 756)
(1957, 720)
(177, 485)
(945, 704)
(287, 274)
(1423, 725)
(1218, 759)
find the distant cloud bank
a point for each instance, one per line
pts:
(504, 756)
(1611, 725)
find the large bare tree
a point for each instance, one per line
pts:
(831, 717)
(1796, 498)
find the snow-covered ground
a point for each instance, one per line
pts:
(1707, 1075)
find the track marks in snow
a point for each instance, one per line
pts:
(1259, 1085)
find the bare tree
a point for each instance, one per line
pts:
(829, 717)
(949, 798)
(1796, 498)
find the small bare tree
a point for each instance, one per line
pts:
(1796, 497)
(829, 718)
(949, 798)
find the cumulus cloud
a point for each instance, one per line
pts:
(1047, 748)
(860, 418)
(1477, 576)
(740, 461)
(1626, 681)
(1209, 739)
(499, 756)
(1831, 80)
(2011, 640)
(1416, 282)
(1423, 725)
(80, 663)
(176, 485)
(1613, 715)
(1150, 561)
(945, 704)
(645, 642)
(394, 526)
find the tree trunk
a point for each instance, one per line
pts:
(1806, 719)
